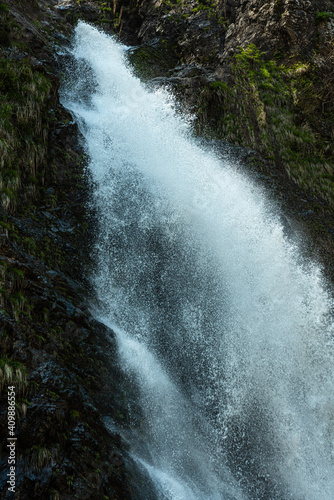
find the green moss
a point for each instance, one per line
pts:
(53, 395)
(199, 8)
(18, 298)
(219, 86)
(13, 364)
(323, 16)
(275, 110)
(30, 244)
(5, 225)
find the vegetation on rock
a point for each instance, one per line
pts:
(52, 350)
(258, 74)
(270, 107)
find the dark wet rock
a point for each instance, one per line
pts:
(242, 67)
(62, 361)
(73, 10)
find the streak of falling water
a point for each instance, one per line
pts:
(225, 332)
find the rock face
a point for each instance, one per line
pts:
(73, 11)
(281, 25)
(59, 359)
(258, 74)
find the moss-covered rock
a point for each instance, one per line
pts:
(60, 360)
(270, 107)
(24, 130)
(259, 75)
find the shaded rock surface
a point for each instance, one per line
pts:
(61, 361)
(258, 74)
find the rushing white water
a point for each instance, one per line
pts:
(225, 333)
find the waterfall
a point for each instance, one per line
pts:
(223, 329)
